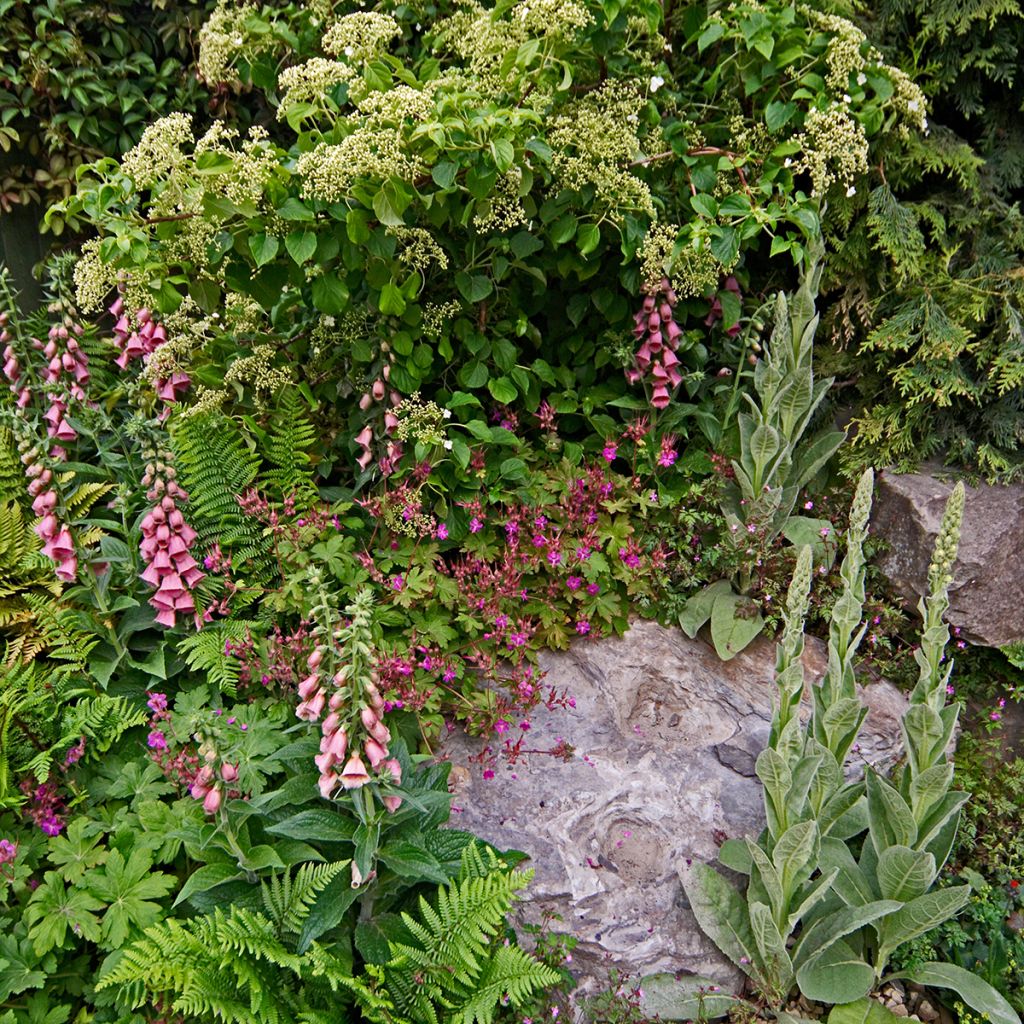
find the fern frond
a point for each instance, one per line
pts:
(511, 975)
(216, 468)
(206, 651)
(455, 947)
(288, 899)
(12, 476)
(287, 449)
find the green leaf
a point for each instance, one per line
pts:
(504, 154)
(837, 975)
(129, 888)
(777, 114)
(294, 209)
(977, 994)
(772, 947)
(444, 173)
(317, 824)
(473, 288)
(328, 910)
(20, 968)
(850, 884)
(710, 35)
(502, 390)
(413, 862)
(862, 1011)
(563, 229)
(588, 238)
(392, 302)
(832, 927)
(330, 294)
(904, 874)
(891, 820)
(474, 374)
(732, 626)
(667, 997)
(922, 915)
(389, 204)
(53, 909)
(794, 850)
(153, 665)
(523, 244)
(263, 248)
(697, 610)
(207, 877)
(77, 850)
(705, 205)
(722, 914)
(301, 245)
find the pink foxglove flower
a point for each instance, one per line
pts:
(166, 542)
(658, 334)
(140, 342)
(213, 800)
(354, 773)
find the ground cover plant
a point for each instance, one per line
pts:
(435, 336)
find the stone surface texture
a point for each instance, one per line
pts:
(665, 736)
(987, 595)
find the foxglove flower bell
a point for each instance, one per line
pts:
(166, 542)
(658, 334)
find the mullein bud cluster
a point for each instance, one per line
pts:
(213, 779)
(658, 334)
(140, 343)
(58, 543)
(343, 759)
(166, 540)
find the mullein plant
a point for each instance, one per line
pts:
(843, 873)
(776, 461)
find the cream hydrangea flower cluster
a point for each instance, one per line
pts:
(849, 57)
(361, 36)
(503, 209)
(594, 140)
(418, 249)
(692, 272)
(159, 151)
(419, 421)
(92, 277)
(835, 148)
(226, 36)
(257, 370)
(437, 315)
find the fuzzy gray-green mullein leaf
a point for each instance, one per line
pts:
(931, 684)
(838, 714)
(837, 975)
(789, 672)
(723, 916)
(929, 722)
